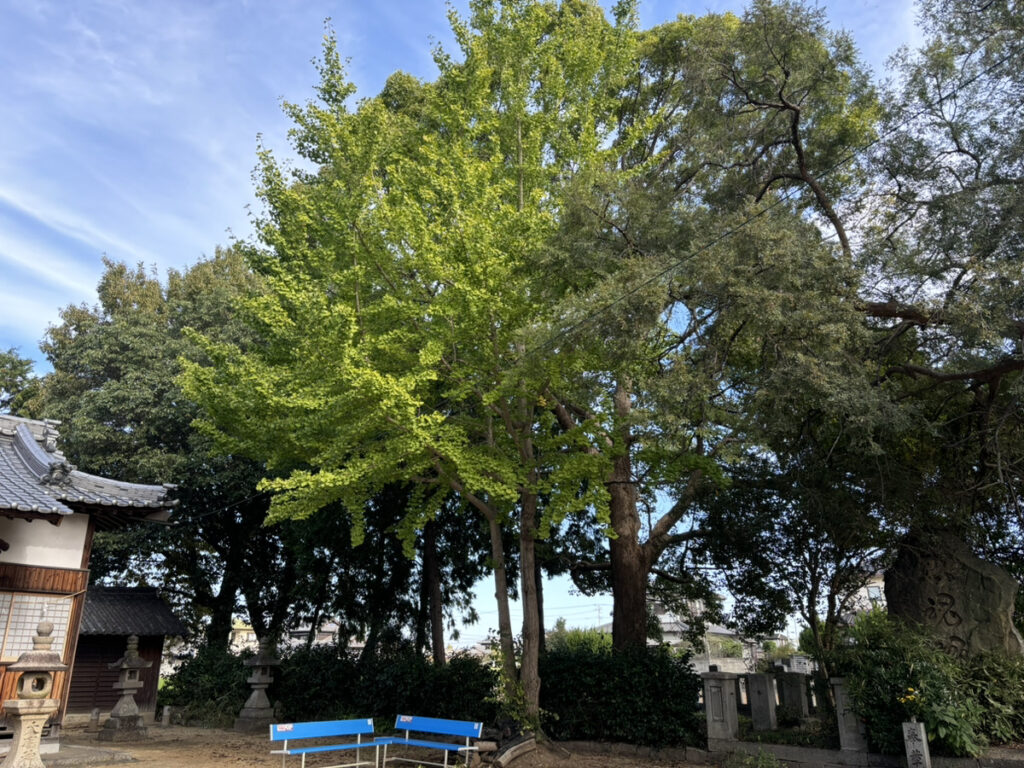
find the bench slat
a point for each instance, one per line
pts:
(450, 746)
(326, 748)
(463, 728)
(321, 729)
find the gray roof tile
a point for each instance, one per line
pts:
(128, 611)
(36, 477)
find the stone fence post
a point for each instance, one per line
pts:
(852, 737)
(793, 693)
(761, 692)
(720, 705)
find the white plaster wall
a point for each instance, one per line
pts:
(37, 542)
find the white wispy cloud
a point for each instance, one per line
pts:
(69, 223)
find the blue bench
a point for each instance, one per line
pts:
(411, 724)
(326, 729)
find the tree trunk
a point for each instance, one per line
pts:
(629, 566)
(508, 652)
(432, 579)
(422, 611)
(529, 674)
(218, 631)
(539, 581)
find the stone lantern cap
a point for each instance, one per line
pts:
(264, 656)
(41, 658)
(131, 658)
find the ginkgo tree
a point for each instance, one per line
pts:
(402, 286)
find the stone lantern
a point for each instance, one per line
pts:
(258, 712)
(125, 722)
(30, 711)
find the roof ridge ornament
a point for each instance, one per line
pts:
(50, 435)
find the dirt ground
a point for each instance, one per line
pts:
(181, 747)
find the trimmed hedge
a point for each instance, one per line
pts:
(647, 696)
(327, 682)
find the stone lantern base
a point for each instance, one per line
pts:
(125, 723)
(254, 721)
(27, 718)
(256, 715)
(130, 728)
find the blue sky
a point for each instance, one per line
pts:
(129, 127)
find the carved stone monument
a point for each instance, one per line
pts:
(125, 722)
(33, 707)
(938, 582)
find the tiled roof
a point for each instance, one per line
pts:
(36, 478)
(128, 611)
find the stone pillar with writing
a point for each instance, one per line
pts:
(761, 692)
(258, 712)
(720, 705)
(29, 712)
(793, 693)
(852, 736)
(916, 743)
(125, 723)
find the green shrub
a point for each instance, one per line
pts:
(578, 640)
(897, 672)
(726, 647)
(997, 684)
(647, 696)
(328, 682)
(207, 689)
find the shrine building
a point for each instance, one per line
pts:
(49, 512)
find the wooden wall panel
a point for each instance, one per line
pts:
(51, 581)
(47, 581)
(92, 684)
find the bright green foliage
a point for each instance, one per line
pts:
(123, 416)
(401, 322)
(561, 639)
(400, 280)
(512, 282)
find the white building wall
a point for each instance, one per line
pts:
(39, 543)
